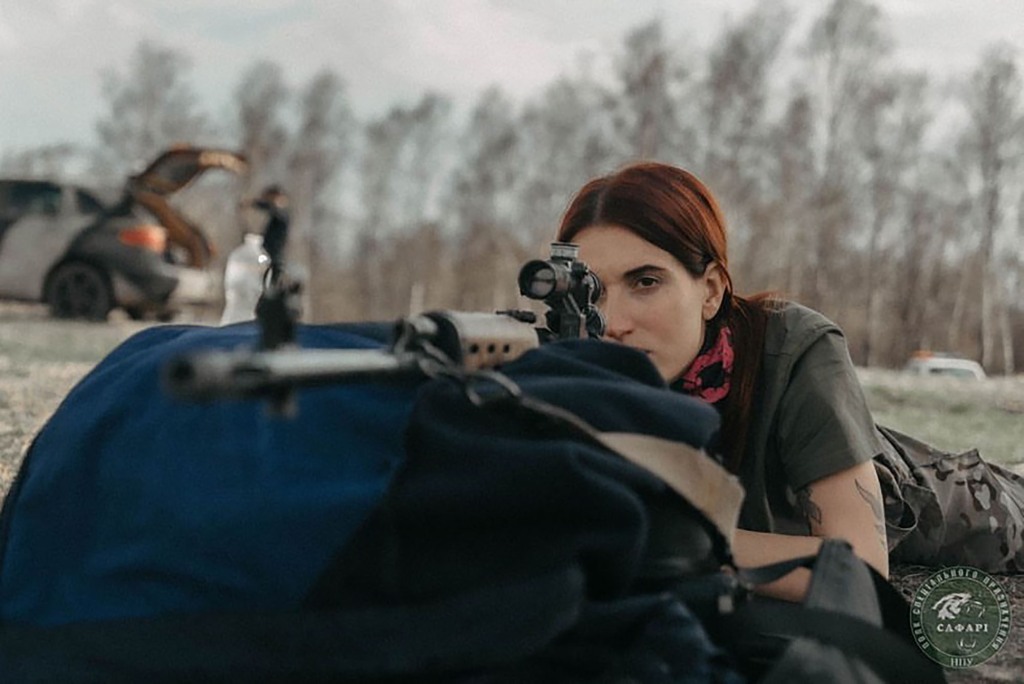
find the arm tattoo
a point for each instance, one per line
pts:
(810, 509)
(876, 508)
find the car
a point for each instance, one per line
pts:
(948, 365)
(85, 252)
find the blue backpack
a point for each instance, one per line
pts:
(451, 528)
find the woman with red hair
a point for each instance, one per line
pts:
(796, 427)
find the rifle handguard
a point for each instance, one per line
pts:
(474, 340)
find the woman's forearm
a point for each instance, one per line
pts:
(752, 549)
(845, 505)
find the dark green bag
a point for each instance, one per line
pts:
(944, 508)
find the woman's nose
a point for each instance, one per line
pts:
(617, 323)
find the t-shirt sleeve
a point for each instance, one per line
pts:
(824, 424)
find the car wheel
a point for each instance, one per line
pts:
(78, 290)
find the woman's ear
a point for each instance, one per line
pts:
(714, 290)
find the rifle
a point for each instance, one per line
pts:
(427, 344)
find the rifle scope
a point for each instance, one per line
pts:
(568, 287)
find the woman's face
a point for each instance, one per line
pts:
(650, 301)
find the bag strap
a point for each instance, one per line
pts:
(689, 471)
(875, 630)
(892, 659)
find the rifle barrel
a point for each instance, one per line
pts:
(248, 374)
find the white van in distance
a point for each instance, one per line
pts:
(946, 365)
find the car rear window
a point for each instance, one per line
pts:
(87, 204)
(30, 197)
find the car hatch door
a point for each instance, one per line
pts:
(169, 173)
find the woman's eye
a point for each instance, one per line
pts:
(645, 282)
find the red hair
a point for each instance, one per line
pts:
(673, 210)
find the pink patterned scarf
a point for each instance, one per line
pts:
(708, 377)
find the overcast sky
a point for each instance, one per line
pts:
(52, 52)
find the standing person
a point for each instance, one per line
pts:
(274, 202)
(796, 427)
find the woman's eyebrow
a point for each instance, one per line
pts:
(646, 269)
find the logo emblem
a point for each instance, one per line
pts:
(960, 617)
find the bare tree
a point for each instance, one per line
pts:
(319, 149)
(786, 226)
(384, 140)
(568, 136)
(400, 162)
(483, 205)
(650, 79)
(928, 222)
(737, 89)
(428, 138)
(845, 48)
(261, 97)
(484, 181)
(149, 106)
(993, 140)
(889, 136)
(399, 178)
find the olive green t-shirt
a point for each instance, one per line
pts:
(810, 420)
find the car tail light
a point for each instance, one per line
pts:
(145, 236)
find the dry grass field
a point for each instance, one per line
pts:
(41, 359)
(954, 414)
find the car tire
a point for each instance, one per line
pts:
(136, 313)
(78, 290)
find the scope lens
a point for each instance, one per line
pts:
(537, 280)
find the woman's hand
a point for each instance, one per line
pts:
(846, 505)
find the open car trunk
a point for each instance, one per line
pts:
(171, 172)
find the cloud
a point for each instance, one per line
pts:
(473, 43)
(50, 77)
(70, 10)
(388, 51)
(947, 37)
(396, 49)
(8, 38)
